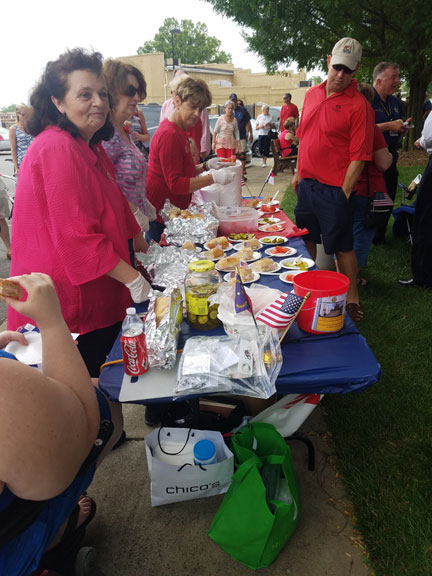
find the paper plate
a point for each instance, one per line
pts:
(262, 212)
(230, 247)
(238, 246)
(288, 277)
(255, 256)
(271, 227)
(286, 251)
(270, 272)
(230, 275)
(290, 263)
(217, 266)
(269, 220)
(272, 203)
(235, 240)
(273, 240)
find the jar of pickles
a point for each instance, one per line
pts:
(202, 281)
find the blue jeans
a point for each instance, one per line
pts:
(363, 236)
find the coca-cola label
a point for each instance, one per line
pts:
(134, 350)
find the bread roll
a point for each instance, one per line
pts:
(221, 240)
(10, 289)
(229, 263)
(245, 253)
(264, 265)
(189, 245)
(161, 307)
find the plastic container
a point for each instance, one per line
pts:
(201, 282)
(225, 194)
(324, 311)
(236, 219)
(204, 452)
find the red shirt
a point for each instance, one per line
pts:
(170, 168)
(288, 111)
(71, 221)
(333, 132)
(371, 172)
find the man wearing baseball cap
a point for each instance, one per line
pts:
(336, 139)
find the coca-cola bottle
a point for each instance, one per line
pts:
(133, 344)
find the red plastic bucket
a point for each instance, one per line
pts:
(324, 310)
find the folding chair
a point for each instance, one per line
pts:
(404, 215)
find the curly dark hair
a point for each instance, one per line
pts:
(54, 82)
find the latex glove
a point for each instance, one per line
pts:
(222, 176)
(214, 164)
(139, 289)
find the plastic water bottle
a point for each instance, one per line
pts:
(133, 344)
(204, 452)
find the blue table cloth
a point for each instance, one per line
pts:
(322, 364)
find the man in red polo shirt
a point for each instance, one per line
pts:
(288, 110)
(336, 138)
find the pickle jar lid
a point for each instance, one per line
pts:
(201, 266)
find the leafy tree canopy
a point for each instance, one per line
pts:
(193, 45)
(10, 108)
(304, 31)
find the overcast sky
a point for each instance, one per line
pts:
(37, 31)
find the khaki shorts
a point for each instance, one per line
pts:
(243, 146)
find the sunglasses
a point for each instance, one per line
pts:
(131, 91)
(339, 67)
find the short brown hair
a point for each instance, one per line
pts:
(195, 91)
(116, 72)
(289, 123)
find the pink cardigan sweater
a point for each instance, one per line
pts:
(72, 222)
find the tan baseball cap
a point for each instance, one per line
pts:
(347, 52)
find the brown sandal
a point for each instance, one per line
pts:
(355, 311)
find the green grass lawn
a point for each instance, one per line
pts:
(382, 436)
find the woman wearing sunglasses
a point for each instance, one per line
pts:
(127, 87)
(71, 220)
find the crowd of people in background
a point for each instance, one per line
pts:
(88, 199)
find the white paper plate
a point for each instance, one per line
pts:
(288, 252)
(271, 240)
(272, 220)
(261, 213)
(230, 247)
(231, 275)
(291, 275)
(290, 263)
(239, 246)
(250, 236)
(255, 256)
(270, 272)
(272, 203)
(275, 228)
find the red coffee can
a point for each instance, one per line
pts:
(135, 358)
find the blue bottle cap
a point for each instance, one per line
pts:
(204, 451)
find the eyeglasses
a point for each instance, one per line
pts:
(339, 67)
(131, 91)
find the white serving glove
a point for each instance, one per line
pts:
(139, 289)
(222, 176)
(214, 164)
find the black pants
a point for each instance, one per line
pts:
(391, 179)
(421, 255)
(95, 346)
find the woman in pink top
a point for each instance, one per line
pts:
(71, 220)
(226, 137)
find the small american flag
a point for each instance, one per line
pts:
(382, 200)
(270, 177)
(282, 311)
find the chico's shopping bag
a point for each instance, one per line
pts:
(174, 476)
(261, 509)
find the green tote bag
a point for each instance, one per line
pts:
(260, 510)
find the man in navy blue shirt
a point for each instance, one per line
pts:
(245, 129)
(388, 117)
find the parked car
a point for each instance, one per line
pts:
(152, 116)
(4, 140)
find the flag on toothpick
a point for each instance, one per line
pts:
(270, 177)
(241, 301)
(282, 311)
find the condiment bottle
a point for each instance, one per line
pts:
(202, 281)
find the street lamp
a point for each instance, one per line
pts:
(173, 31)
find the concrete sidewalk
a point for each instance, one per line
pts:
(134, 539)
